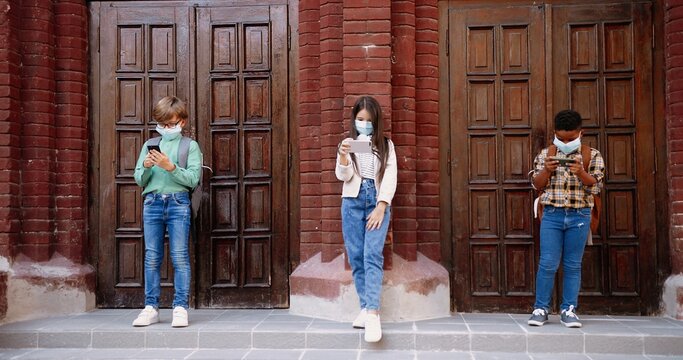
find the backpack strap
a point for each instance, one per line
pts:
(184, 151)
(586, 156)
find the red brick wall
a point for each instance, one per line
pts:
(387, 49)
(674, 124)
(43, 128)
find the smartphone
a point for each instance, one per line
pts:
(360, 146)
(153, 147)
(563, 161)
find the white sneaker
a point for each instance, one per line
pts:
(179, 317)
(149, 315)
(359, 323)
(373, 328)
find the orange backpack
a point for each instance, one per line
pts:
(597, 201)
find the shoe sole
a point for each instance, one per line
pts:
(536, 323)
(358, 327)
(571, 325)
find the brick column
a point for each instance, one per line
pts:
(309, 127)
(333, 120)
(404, 124)
(38, 128)
(10, 130)
(673, 288)
(427, 127)
(71, 75)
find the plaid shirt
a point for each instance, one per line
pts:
(566, 189)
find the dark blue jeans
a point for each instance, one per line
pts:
(364, 247)
(564, 232)
(162, 213)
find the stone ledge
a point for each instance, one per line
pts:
(412, 290)
(56, 287)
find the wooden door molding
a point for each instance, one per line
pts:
(242, 62)
(497, 112)
(612, 89)
(146, 50)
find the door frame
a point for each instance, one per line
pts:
(292, 219)
(446, 165)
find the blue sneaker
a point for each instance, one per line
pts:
(538, 317)
(569, 319)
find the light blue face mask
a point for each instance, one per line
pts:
(364, 127)
(169, 133)
(569, 147)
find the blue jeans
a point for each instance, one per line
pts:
(564, 232)
(364, 247)
(161, 213)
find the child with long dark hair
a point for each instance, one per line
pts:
(369, 185)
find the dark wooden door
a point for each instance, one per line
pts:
(593, 58)
(497, 115)
(229, 64)
(242, 101)
(602, 67)
(143, 57)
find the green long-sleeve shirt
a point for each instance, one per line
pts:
(160, 181)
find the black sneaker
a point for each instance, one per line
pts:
(569, 319)
(538, 317)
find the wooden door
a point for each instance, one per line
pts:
(230, 66)
(143, 57)
(598, 62)
(602, 67)
(242, 107)
(497, 115)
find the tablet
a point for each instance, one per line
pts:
(360, 146)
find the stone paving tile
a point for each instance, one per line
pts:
(499, 342)
(288, 318)
(51, 354)
(19, 339)
(110, 354)
(282, 326)
(664, 345)
(555, 343)
(442, 342)
(496, 329)
(330, 354)
(441, 328)
(172, 338)
(164, 354)
(443, 355)
(14, 353)
(346, 340)
(614, 344)
(556, 356)
(386, 355)
(392, 341)
(118, 339)
(616, 357)
(231, 354)
(476, 318)
(227, 326)
(279, 340)
(225, 340)
(66, 339)
(242, 315)
(325, 325)
(499, 356)
(273, 354)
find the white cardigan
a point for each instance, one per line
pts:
(385, 189)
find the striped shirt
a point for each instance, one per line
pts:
(366, 161)
(566, 189)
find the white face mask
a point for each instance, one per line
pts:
(169, 133)
(569, 147)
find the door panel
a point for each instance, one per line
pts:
(139, 65)
(497, 113)
(237, 102)
(244, 247)
(598, 62)
(602, 68)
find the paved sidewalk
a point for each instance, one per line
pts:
(275, 334)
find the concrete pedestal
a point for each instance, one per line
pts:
(672, 297)
(411, 291)
(56, 287)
